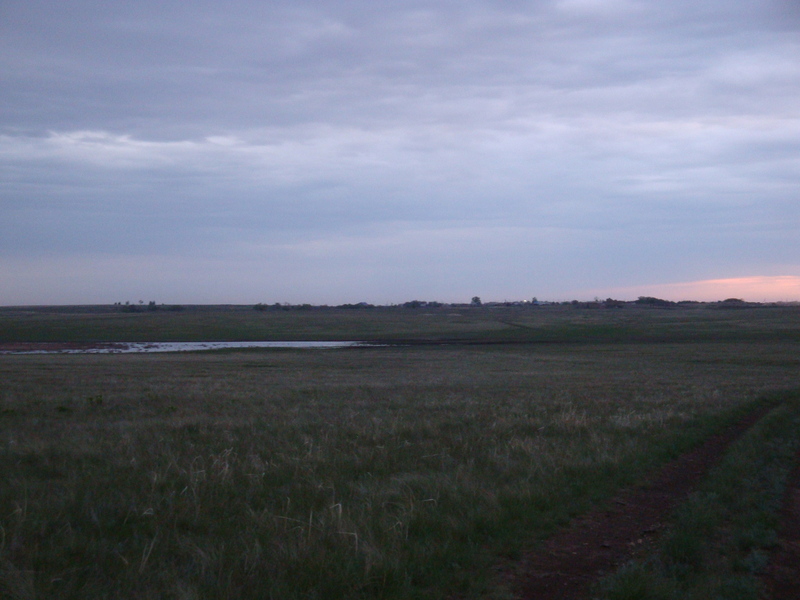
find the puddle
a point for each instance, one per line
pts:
(149, 347)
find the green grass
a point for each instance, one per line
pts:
(720, 540)
(552, 324)
(368, 473)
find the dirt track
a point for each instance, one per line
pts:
(782, 579)
(595, 544)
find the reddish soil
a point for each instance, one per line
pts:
(782, 579)
(596, 544)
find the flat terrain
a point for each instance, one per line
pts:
(407, 471)
(468, 324)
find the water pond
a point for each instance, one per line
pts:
(150, 347)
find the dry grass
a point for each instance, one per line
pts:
(373, 473)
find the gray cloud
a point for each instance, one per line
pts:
(411, 146)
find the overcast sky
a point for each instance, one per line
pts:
(328, 152)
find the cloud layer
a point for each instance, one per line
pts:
(337, 152)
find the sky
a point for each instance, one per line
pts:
(346, 151)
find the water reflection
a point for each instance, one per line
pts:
(149, 347)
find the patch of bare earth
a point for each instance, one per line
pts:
(782, 578)
(596, 544)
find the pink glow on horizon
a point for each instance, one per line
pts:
(784, 288)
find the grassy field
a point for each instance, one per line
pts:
(463, 323)
(386, 472)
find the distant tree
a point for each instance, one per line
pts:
(130, 308)
(357, 306)
(731, 303)
(476, 301)
(151, 306)
(260, 307)
(611, 303)
(650, 301)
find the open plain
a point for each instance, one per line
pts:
(418, 469)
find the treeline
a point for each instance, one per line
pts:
(608, 303)
(149, 307)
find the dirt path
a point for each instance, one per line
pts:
(595, 544)
(782, 579)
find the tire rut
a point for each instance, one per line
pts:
(782, 578)
(595, 544)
